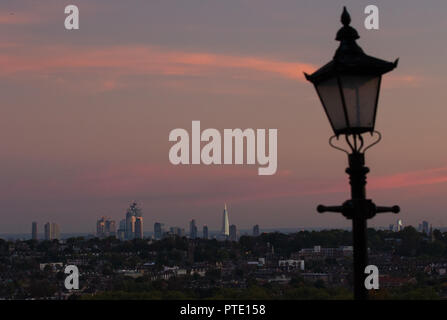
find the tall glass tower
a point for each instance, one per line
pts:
(225, 223)
(132, 214)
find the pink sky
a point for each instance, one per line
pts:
(87, 113)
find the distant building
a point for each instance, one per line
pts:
(121, 232)
(47, 231)
(233, 233)
(205, 232)
(130, 226)
(51, 231)
(111, 228)
(139, 228)
(100, 227)
(176, 231)
(291, 264)
(131, 217)
(425, 227)
(317, 253)
(225, 233)
(399, 225)
(158, 230)
(56, 231)
(192, 229)
(431, 234)
(105, 227)
(52, 265)
(34, 231)
(256, 231)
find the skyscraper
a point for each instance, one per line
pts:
(55, 231)
(105, 227)
(34, 231)
(111, 228)
(130, 226)
(131, 216)
(121, 233)
(399, 225)
(256, 230)
(101, 227)
(192, 229)
(176, 231)
(233, 233)
(47, 230)
(51, 231)
(205, 232)
(225, 223)
(425, 227)
(158, 230)
(139, 228)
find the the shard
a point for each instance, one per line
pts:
(225, 223)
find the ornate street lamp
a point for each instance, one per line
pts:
(348, 88)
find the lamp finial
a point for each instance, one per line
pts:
(345, 17)
(346, 33)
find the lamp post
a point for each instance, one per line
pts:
(348, 87)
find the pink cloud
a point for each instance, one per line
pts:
(145, 60)
(409, 179)
(106, 67)
(17, 18)
(201, 185)
(394, 81)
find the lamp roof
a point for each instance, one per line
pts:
(349, 57)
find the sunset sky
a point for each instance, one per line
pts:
(86, 114)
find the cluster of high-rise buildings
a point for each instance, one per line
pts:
(129, 228)
(425, 227)
(227, 231)
(105, 227)
(133, 223)
(397, 227)
(51, 231)
(132, 228)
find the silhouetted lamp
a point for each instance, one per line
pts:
(349, 85)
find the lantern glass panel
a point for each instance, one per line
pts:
(360, 94)
(329, 93)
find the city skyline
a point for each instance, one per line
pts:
(106, 226)
(87, 113)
